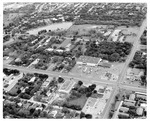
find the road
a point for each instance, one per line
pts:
(65, 75)
(117, 85)
(123, 73)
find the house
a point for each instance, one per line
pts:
(121, 39)
(32, 79)
(129, 103)
(50, 49)
(141, 96)
(143, 105)
(124, 109)
(139, 111)
(123, 114)
(107, 33)
(132, 97)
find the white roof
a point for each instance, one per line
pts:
(68, 45)
(13, 83)
(59, 50)
(107, 33)
(32, 79)
(121, 38)
(50, 49)
(144, 105)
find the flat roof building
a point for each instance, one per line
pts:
(67, 86)
(132, 97)
(139, 111)
(46, 83)
(90, 61)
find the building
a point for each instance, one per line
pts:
(50, 49)
(123, 114)
(132, 97)
(13, 87)
(129, 103)
(143, 105)
(87, 60)
(47, 82)
(121, 39)
(32, 79)
(67, 86)
(124, 109)
(139, 111)
(105, 64)
(115, 35)
(107, 33)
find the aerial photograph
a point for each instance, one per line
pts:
(74, 60)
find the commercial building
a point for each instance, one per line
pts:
(105, 64)
(87, 60)
(67, 86)
(115, 35)
(13, 87)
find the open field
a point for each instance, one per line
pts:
(8, 18)
(79, 101)
(84, 29)
(52, 27)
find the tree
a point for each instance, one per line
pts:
(60, 80)
(88, 116)
(114, 57)
(89, 94)
(32, 111)
(95, 91)
(82, 114)
(80, 83)
(65, 110)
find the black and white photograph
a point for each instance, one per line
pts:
(74, 60)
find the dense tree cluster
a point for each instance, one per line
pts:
(112, 51)
(143, 38)
(77, 92)
(139, 61)
(10, 71)
(31, 87)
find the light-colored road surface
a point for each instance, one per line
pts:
(116, 85)
(123, 73)
(66, 75)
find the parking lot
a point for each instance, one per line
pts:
(109, 74)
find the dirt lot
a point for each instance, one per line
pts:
(8, 18)
(83, 29)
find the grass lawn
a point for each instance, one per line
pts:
(79, 101)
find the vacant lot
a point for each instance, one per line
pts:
(79, 101)
(8, 18)
(83, 29)
(53, 27)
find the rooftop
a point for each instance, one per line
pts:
(67, 85)
(88, 59)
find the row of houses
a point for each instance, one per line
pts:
(122, 108)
